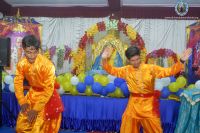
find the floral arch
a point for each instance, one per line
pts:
(88, 41)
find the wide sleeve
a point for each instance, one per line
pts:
(47, 85)
(18, 84)
(161, 72)
(116, 71)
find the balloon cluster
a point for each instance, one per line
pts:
(170, 85)
(89, 85)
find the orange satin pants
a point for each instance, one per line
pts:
(132, 125)
(39, 125)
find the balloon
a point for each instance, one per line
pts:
(172, 79)
(191, 86)
(97, 78)
(178, 93)
(111, 94)
(74, 91)
(97, 88)
(104, 80)
(67, 76)
(181, 81)
(59, 78)
(173, 87)
(61, 91)
(104, 92)
(118, 93)
(81, 87)
(110, 87)
(8, 79)
(118, 81)
(111, 78)
(165, 81)
(74, 80)
(158, 84)
(67, 86)
(81, 77)
(197, 84)
(89, 80)
(165, 92)
(88, 91)
(12, 88)
(124, 89)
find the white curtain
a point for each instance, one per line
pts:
(156, 33)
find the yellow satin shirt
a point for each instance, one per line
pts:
(141, 80)
(40, 75)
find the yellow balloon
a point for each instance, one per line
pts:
(67, 86)
(88, 91)
(191, 86)
(59, 79)
(67, 76)
(174, 87)
(181, 81)
(118, 93)
(104, 80)
(74, 91)
(81, 77)
(97, 78)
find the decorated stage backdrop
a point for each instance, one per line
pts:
(16, 28)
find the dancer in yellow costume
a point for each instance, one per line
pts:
(142, 108)
(41, 108)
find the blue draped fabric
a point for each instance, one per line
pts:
(93, 113)
(189, 113)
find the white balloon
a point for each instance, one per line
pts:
(165, 81)
(61, 91)
(158, 84)
(3, 85)
(11, 87)
(8, 79)
(111, 78)
(197, 84)
(74, 80)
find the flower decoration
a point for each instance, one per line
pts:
(156, 57)
(79, 61)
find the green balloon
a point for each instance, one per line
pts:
(174, 87)
(181, 81)
(81, 77)
(88, 91)
(74, 91)
(191, 86)
(67, 86)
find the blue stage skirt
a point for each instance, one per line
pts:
(91, 113)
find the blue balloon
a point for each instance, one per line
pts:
(97, 88)
(89, 80)
(172, 79)
(165, 92)
(119, 81)
(178, 93)
(110, 87)
(104, 92)
(81, 87)
(124, 89)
